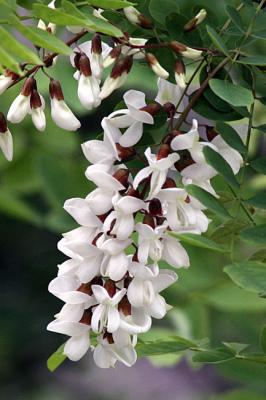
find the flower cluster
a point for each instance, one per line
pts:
(112, 283)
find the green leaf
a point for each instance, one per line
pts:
(11, 44)
(110, 4)
(230, 136)
(254, 234)
(249, 275)
(259, 60)
(208, 200)
(217, 40)
(199, 241)
(9, 62)
(259, 200)
(214, 355)
(160, 9)
(235, 17)
(259, 165)
(261, 128)
(220, 165)
(56, 359)
(41, 38)
(233, 94)
(88, 21)
(238, 394)
(157, 347)
(263, 338)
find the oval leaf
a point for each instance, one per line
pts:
(230, 136)
(199, 241)
(233, 94)
(254, 234)
(249, 275)
(217, 40)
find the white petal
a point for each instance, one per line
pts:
(79, 209)
(68, 328)
(100, 293)
(113, 319)
(103, 358)
(88, 91)
(174, 253)
(19, 109)
(63, 116)
(76, 347)
(141, 175)
(132, 135)
(38, 118)
(6, 144)
(117, 266)
(165, 279)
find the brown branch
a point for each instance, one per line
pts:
(48, 59)
(199, 92)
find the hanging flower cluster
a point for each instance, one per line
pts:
(112, 283)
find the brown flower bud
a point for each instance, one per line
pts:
(29, 85)
(96, 44)
(86, 317)
(180, 67)
(152, 108)
(194, 22)
(178, 47)
(155, 207)
(122, 65)
(170, 109)
(35, 99)
(56, 90)
(163, 152)
(76, 60)
(3, 123)
(145, 22)
(122, 175)
(124, 306)
(211, 133)
(85, 65)
(169, 183)
(125, 153)
(110, 287)
(149, 220)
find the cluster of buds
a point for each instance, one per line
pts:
(112, 282)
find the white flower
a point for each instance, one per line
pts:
(100, 176)
(135, 52)
(88, 91)
(66, 287)
(158, 170)
(37, 105)
(117, 76)
(131, 118)
(115, 262)
(5, 82)
(168, 93)
(149, 242)
(181, 215)
(120, 349)
(63, 116)
(79, 209)
(122, 216)
(147, 282)
(6, 140)
(156, 66)
(19, 109)
(106, 314)
(232, 156)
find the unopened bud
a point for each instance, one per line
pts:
(55, 90)
(125, 153)
(135, 17)
(180, 73)
(110, 287)
(29, 85)
(122, 175)
(163, 152)
(211, 133)
(134, 193)
(3, 123)
(86, 317)
(185, 51)
(170, 109)
(112, 56)
(149, 220)
(169, 183)
(156, 66)
(76, 60)
(35, 99)
(152, 108)
(96, 44)
(124, 306)
(85, 65)
(194, 22)
(155, 208)
(122, 65)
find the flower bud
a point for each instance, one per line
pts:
(84, 65)
(124, 153)
(156, 66)
(155, 208)
(6, 80)
(6, 140)
(135, 17)
(185, 51)
(55, 90)
(96, 56)
(37, 106)
(211, 133)
(112, 56)
(152, 108)
(194, 22)
(180, 73)
(163, 152)
(149, 220)
(124, 306)
(122, 175)
(21, 105)
(117, 77)
(86, 317)
(110, 287)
